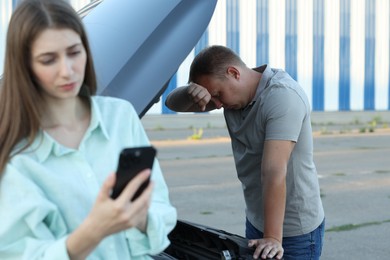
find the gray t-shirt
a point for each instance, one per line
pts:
(279, 111)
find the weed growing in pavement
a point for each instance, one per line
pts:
(362, 130)
(349, 227)
(159, 128)
(325, 131)
(377, 120)
(372, 125)
(382, 171)
(345, 130)
(356, 121)
(197, 134)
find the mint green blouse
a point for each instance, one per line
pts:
(49, 189)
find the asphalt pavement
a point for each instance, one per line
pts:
(351, 152)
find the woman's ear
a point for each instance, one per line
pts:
(234, 72)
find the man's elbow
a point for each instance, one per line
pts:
(272, 177)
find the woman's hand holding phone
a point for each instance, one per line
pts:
(122, 202)
(109, 216)
(121, 213)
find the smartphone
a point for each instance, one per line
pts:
(132, 161)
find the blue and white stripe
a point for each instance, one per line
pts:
(338, 50)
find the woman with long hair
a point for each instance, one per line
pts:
(59, 147)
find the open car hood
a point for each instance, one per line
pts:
(137, 46)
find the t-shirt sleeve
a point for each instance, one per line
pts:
(283, 113)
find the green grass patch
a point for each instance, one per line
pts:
(339, 174)
(382, 171)
(206, 213)
(325, 131)
(345, 131)
(349, 227)
(377, 120)
(158, 128)
(356, 121)
(364, 148)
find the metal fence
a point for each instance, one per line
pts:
(338, 50)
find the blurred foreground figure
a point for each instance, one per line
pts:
(60, 146)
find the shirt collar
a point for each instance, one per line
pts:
(97, 119)
(44, 144)
(267, 73)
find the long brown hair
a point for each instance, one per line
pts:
(20, 96)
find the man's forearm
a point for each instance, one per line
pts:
(178, 100)
(274, 195)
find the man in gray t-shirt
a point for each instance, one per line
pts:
(268, 118)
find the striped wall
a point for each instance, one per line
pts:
(338, 50)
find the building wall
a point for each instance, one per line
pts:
(338, 50)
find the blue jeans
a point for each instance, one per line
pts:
(302, 247)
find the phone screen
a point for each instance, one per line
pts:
(132, 161)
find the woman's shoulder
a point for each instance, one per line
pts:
(106, 103)
(15, 180)
(102, 100)
(112, 109)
